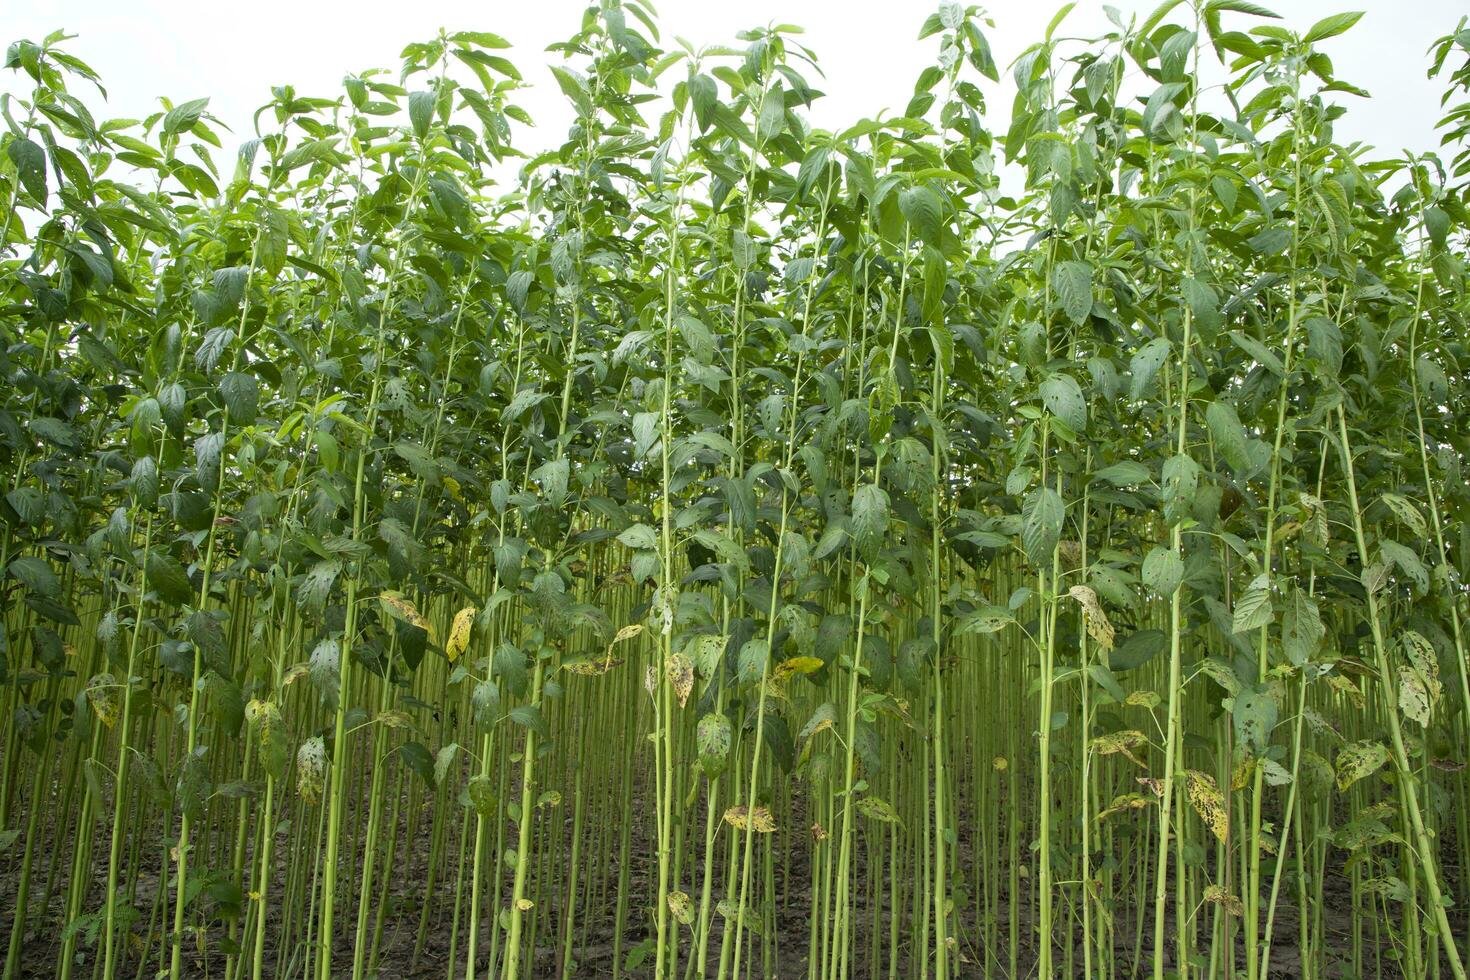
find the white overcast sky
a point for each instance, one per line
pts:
(234, 52)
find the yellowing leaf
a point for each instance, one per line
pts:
(1240, 776)
(1124, 802)
(797, 665)
(681, 907)
(102, 695)
(680, 672)
(1228, 902)
(1120, 743)
(459, 633)
(1359, 759)
(759, 819)
(1208, 802)
(1143, 699)
(1093, 616)
(594, 667)
(400, 607)
(1339, 682)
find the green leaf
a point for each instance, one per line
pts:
(182, 117)
(869, 518)
(922, 208)
(1324, 343)
(986, 619)
(772, 120)
(529, 716)
(36, 575)
(1228, 434)
(723, 546)
(1124, 474)
(639, 537)
(166, 577)
(239, 392)
(1042, 514)
(1073, 283)
(1408, 563)
(421, 112)
(419, 759)
(55, 431)
(573, 88)
(703, 92)
(1063, 398)
(701, 342)
(1253, 609)
(1302, 631)
(1331, 26)
(1145, 364)
(1243, 7)
(30, 166)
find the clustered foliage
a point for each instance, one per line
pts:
(733, 548)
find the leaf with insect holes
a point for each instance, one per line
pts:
(986, 619)
(1163, 570)
(481, 793)
(1407, 514)
(878, 809)
(1419, 684)
(1253, 718)
(712, 739)
(311, 768)
(443, 759)
(869, 518)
